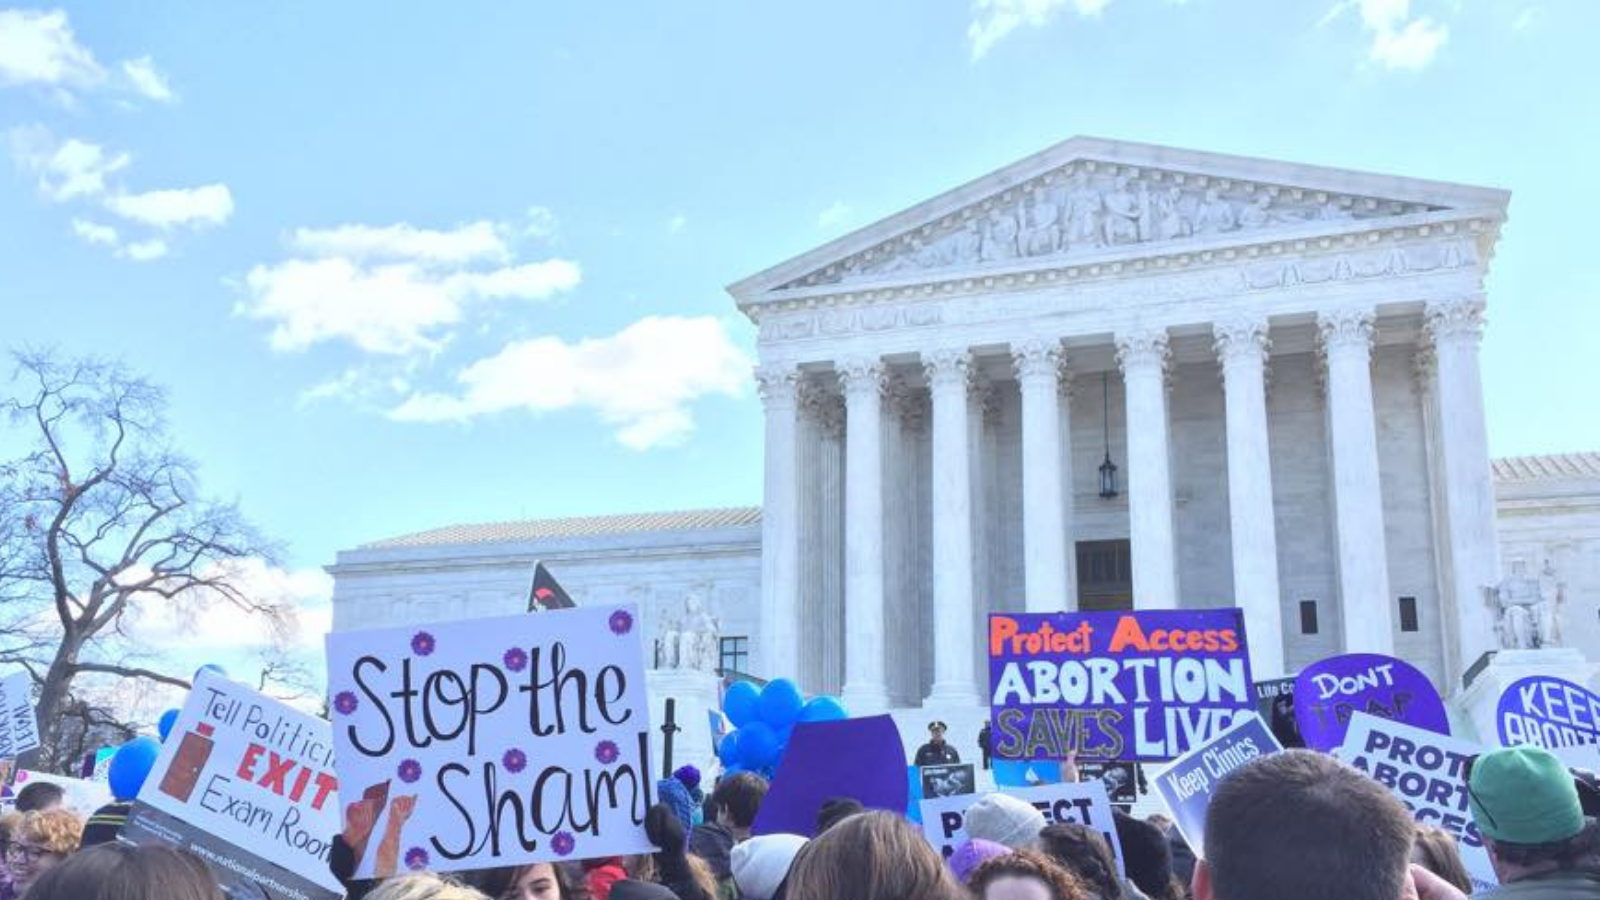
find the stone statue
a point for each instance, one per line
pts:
(1528, 608)
(1083, 224)
(667, 644)
(1215, 215)
(1169, 215)
(698, 641)
(1042, 237)
(1123, 217)
(1255, 214)
(1000, 238)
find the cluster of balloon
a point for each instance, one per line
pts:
(763, 720)
(131, 766)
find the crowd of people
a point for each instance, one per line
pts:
(1295, 824)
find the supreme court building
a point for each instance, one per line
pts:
(1108, 375)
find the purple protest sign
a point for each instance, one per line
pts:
(861, 758)
(1548, 712)
(1327, 693)
(1144, 685)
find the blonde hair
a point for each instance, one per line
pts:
(423, 886)
(9, 824)
(56, 830)
(871, 856)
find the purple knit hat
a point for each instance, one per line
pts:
(969, 854)
(689, 775)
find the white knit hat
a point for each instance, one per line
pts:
(761, 863)
(1005, 820)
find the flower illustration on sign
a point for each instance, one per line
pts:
(563, 843)
(621, 622)
(416, 858)
(606, 752)
(514, 760)
(345, 703)
(516, 659)
(422, 643)
(410, 770)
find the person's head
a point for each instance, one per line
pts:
(737, 799)
(835, 810)
(540, 881)
(38, 796)
(1526, 806)
(971, 853)
(1024, 875)
(936, 730)
(1004, 819)
(1083, 852)
(1435, 850)
(672, 793)
(762, 863)
(42, 840)
(424, 886)
(873, 856)
(1160, 820)
(1147, 857)
(1304, 825)
(118, 871)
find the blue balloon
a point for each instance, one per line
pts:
(780, 702)
(823, 709)
(741, 703)
(758, 746)
(131, 766)
(164, 724)
(211, 667)
(728, 749)
(732, 769)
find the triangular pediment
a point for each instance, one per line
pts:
(1089, 198)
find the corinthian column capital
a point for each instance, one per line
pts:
(861, 375)
(1240, 339)
(1345, 329)
(1143, 349)
(777, 383)
(1037, 358)
(948, 368)
(1455, 318)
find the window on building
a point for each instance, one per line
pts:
(1308, 617)
(1408, 614)
(734, 653)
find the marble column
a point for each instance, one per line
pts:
(949, 372)
(1241, 347)
(1045, 509)
(866, 684)
(1365, 608)
(1455, 326)
(780, 557)
(1143, 356)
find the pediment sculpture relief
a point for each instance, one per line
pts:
(1090, 211)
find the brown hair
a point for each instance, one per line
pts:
(1063, 884)
(117, 871)
(1085, 853)
(1436, 851)
(871, 856)
(741, 796)
(1304, 825)
(56, 830)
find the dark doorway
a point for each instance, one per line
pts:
(1105, 575)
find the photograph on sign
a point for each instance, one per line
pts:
(948, 780)
(1142, 685)
(492, 742)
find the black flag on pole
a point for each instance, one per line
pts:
(546, 594)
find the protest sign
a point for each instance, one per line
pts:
(1084, 802)
(861, 758)
(1329, 692)
(1427, 771)
(1547, 712)
(246, 783)
(950, 780)
(1123, 781)
(81, 795)
(1143, 685)
(1188, 783)
(1275, 705)
(19, 730)
(492, 742)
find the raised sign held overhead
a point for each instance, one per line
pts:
(1143, 685)
(1548, 712)
(492, 742)
(1329, 692)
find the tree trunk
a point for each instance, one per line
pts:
(52, 699)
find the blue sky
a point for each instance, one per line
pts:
(402, 265)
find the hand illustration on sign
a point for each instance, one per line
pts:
(400, 810)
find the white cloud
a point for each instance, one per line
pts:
(1399, 40)
(211, 622)
(145, 251)
(39, 48)
(640, 380)
(147, 81)
(210, 204)
(470, 243)
(95, 233)
(677, 223)
(992, 20)
(542, 223)
(834, 216)
(1525, 18)
(67, 170)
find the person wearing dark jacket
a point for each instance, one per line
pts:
(936, 752)
(1540, 843)
(666, 831)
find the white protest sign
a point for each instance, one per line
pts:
(1188, 783)
(1427, 771)
(81, 796)
(244, 778)
(1083, 802)
(19, 729)
(493, 742)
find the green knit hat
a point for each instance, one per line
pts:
(1524, 795)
